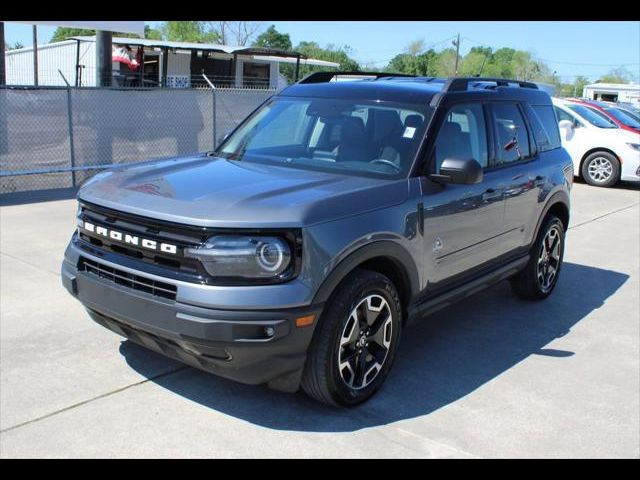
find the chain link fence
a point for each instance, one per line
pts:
(53, 138)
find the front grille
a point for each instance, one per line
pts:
(181, 236)
(120, 277)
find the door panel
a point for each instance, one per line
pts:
(462, 222)
(523, 184)
(517, 158)
(463, 225)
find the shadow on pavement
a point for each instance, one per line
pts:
(441, 359)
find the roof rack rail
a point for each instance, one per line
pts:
(461, 84)
(323, 77)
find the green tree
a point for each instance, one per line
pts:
(62, 33)
(474, 63)
(331, 53)
(152, 33)
(578, 85)
(271, 38)
(181, 31)
(445, 64)
(617, 75)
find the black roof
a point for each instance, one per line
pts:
(406, 89)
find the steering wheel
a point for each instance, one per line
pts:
(384, 161)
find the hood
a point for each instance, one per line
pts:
(215, 192)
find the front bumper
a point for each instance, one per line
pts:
(630, 171)
(249, 346)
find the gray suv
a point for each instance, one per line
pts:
(295, 254)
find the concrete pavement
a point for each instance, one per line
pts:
(492, 376)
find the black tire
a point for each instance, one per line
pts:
(527, 284)
(601, 169)
(322, 378)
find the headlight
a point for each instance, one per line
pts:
(243, 256)
(79, 221)
(635, 146)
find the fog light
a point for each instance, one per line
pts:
(269, 331)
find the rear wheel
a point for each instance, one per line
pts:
(355, 342)
(540, 276)
(601, 169)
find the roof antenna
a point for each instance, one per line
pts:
(482, 67)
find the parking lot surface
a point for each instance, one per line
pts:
(492, 376)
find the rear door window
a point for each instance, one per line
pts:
(545, 127)
(512, 138)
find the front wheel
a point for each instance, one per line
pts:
(540, 276)
(601, 169)
(355, 341)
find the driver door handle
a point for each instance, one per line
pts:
(492, 195)
(539, 180)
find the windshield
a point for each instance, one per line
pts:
(346, 136)
(622, 116)
(591, 116)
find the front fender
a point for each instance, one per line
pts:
(382, 248)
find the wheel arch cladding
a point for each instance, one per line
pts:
(557, 205)
(385, 257)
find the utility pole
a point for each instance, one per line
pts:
(103, 58)
(35, 55)
(456, 42)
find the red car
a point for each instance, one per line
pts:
(613, 114)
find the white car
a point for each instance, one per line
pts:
(602, 153)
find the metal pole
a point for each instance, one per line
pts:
(72, 155)
(35, 55)
(4, 144)
(457, 44)
(3, 78)
(103, 58)
(213, 90)
(165, 63)
(77, 60)
(234, 70)
(297, 68)
(141, 67)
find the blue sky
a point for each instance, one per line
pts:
(570, 48)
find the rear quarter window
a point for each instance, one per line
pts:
(545, 127)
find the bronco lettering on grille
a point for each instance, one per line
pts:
(129, 239)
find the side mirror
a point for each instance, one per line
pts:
(567, 124)
(453, 170)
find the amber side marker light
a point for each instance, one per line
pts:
(305, 321)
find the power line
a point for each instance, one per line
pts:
(482, 44)
(586, 64)
(428, 47)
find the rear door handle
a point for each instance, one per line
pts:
(539, 180)
(492, 195)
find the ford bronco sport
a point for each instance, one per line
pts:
(295, 253)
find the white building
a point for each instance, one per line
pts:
(613, 92)
(164, 63)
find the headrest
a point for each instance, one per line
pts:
(414, 121)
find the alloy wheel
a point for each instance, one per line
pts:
(549, 259)
(365, 342)
(600, 169)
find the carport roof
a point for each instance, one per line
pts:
(257, 52)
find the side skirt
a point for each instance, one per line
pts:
(417, 311)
